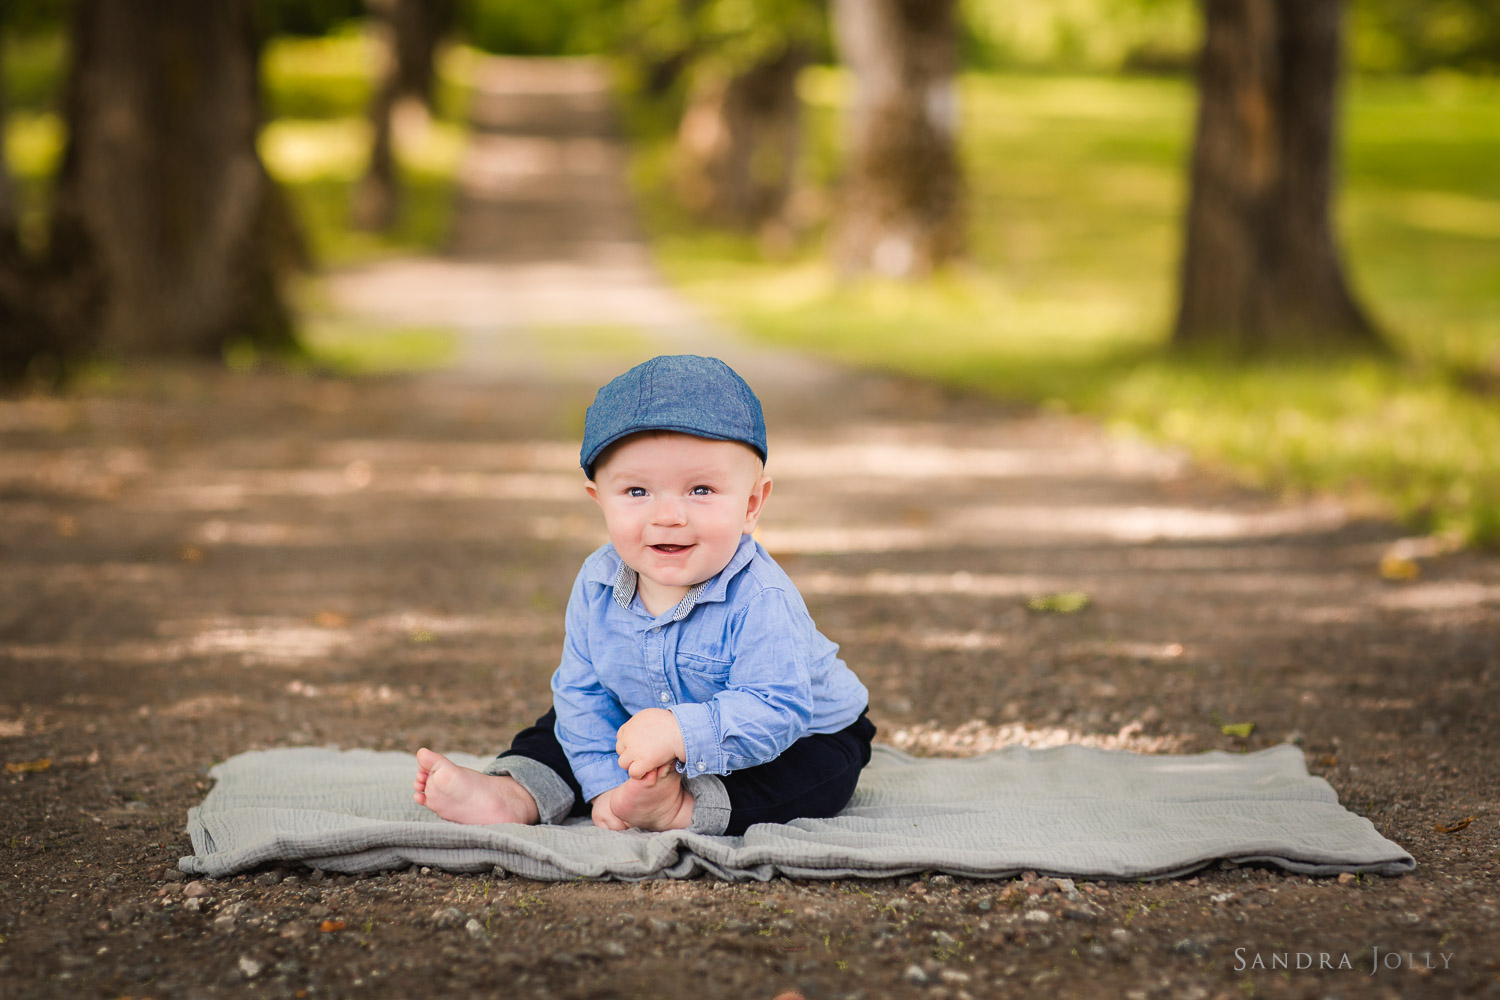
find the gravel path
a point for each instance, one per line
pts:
(195, 563)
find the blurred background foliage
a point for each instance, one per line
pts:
(1076, 131)
(1070, 36)
(1385, 36)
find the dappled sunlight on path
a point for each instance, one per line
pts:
(544, 238)
(548, 276)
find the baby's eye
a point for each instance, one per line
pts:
(701, 491)
(635, 491)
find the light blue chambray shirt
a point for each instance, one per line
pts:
(738, 661)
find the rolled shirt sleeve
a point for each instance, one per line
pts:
(768, 701)
(588, 715)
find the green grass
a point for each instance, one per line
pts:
(317, 143)
(351, 348)
(33, 69)
(328, 77)
(33, 147)
(319, 162)
(1077, 187)
(1096, 35)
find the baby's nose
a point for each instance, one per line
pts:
(668, 510)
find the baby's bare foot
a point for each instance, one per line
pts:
(664, 804)
(464, 795)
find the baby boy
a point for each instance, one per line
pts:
(694, 690)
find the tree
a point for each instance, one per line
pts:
(738, 137)
(411, 32)
(901, 205)
(737, 144)
(166, 235)
(1260, 268)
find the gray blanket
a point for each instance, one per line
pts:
(1067, 810)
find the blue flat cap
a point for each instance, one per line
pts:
(674, 392)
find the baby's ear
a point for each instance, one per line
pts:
(592, 490)
(758, 497)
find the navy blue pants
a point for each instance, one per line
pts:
(813, 778)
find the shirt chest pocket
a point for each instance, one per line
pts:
(704, 672)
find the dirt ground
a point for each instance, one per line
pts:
(195, 563)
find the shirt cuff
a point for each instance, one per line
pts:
(700, 739)
(710, 805)
(598, 774)
(554, 799)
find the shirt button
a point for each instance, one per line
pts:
(665, 696)
(656, 628)
(702, 766)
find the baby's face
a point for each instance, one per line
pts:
(676, 506)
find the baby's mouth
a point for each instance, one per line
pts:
(667, 549)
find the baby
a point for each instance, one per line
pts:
(694, 691)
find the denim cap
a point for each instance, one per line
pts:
(673, 392)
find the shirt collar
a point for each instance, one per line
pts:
(715, 588)
(625, 583)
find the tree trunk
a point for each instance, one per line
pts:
(901, 207)
(1260, 268)
(411, 31)
(738, 142)
(167, 232)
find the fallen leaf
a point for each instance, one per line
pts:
(330, 619)
(1425, 546)
(190, 553)
(1240, 729)
(1328, 760)
(1064, 603)
(21, 767)
(90, 758)
(916, 515)
(1394, 567)
(1455, 826)
(329, 926)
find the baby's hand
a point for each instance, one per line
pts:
(649, 741)
(652, 777)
